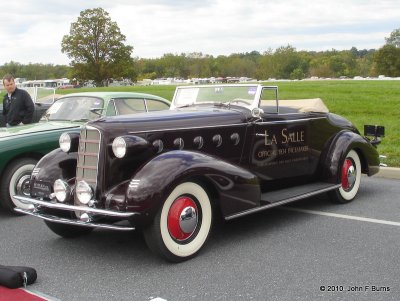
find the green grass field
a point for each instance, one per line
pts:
(362, 102)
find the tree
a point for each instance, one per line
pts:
(394, 38)
(13, 68)
(96, 46)
(34, 71)
(387, 60)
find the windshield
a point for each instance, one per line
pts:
(236, 94)
(41, 95)
(74, 108)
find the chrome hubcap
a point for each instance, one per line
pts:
(188, 219)
(348, 175)
(182, 218)
(22, 187)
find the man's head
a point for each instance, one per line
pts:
(9, 83)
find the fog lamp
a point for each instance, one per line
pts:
(119, 147)
(61, 190)
(84, 192)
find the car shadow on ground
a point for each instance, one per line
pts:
(131, 246)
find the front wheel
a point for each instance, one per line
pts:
(350, 179)
(182, 225)
(15, 181)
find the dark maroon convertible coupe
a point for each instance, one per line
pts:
(234, 148)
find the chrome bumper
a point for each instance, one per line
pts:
(38, 204)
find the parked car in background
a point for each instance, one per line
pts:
(234, 149)
(21, 147)
(43, 98)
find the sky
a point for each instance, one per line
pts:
(32, 30)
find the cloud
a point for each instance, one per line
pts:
(155, 27)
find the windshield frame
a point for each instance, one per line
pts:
(255, 90)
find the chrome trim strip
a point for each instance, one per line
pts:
(75, 208)
(228, 125)
(290, 121)
(296, 198)
(191, 128)
(60, 220)
(35, 171)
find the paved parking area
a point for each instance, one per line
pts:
(310, 250)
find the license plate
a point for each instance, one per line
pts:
(41, 189)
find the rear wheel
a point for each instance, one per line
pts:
(350, 179)
(67, 231)
(182, 225)
(15, 181)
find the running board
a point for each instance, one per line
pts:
(287, 195)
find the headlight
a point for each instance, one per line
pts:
(84, 192)
(65, 142)
(61, 190)
(119, 147)
(69, 142)
(124, 146)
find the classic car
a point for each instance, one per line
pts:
(233, 149)
(21, 147)
(42, 98)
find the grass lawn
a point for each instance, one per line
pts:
(375, 102)
(362, 102)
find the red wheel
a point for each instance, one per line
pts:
(350, 179)
(348, 175)
(181, 227)
(182, 218)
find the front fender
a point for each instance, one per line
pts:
(237, 189)
(341, 144)
(55, 165)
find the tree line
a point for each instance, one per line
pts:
(283, 63)
(98, 52)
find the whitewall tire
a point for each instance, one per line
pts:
(350, 179)
(15, 181)
(182, 225)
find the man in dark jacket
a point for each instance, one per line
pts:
(18, 106)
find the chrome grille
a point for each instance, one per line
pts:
(88, 155)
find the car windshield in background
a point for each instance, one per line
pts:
(240, 95)
(75, 108)
(41, 95)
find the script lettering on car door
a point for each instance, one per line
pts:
(282, 143)
(280, 149)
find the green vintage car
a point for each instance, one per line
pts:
(21, 147)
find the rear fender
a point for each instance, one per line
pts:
(341, 144)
